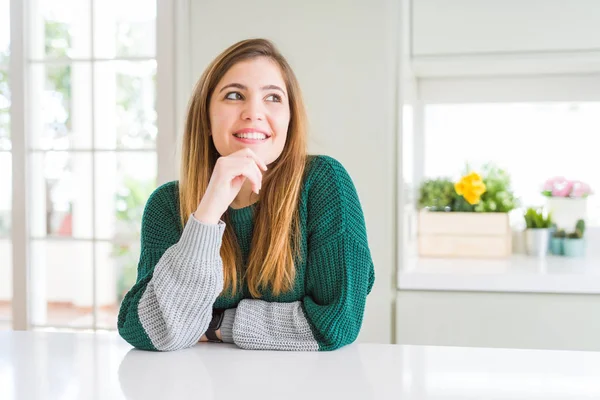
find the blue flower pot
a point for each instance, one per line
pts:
(557, 246)
(551, 237)
(574, 247)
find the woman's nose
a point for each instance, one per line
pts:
(253, 110)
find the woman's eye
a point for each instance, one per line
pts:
(233, 96)
(274, 97)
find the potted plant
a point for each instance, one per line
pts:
(437, 195)
(566, 199)
(475, 220)
(574, 243)
(557, 242)
(537, 234)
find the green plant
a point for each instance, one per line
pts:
(560, 234)
(437, 194)
(535, 219)
(579, 230)
(461, 205)
(498, 196)
(440, 194)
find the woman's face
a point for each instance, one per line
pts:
(250, 108)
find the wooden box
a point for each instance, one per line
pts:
(464, 234)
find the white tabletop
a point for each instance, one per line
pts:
(43, 365)
(519, 273)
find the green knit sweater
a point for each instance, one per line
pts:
(180, 274)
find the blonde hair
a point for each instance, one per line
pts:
(276, 234)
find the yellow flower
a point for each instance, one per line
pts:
(471, 187)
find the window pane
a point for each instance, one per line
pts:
(125, 105)
(125, 28)
(4, 32)
(5, 172)
(124, 181)
(61, 194)
(61, 283)
(60, 29)
(5, 283)
(60, 105)
(533, 142)
(4, 111)
(5, 242)
(6, 197)
(116, 266)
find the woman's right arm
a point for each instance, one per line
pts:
(170, 306)
(179, 279)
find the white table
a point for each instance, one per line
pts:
(43, 365)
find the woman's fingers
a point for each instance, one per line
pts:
(252, 172)
(248, 153)
(247, 168)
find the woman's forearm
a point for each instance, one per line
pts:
(176, 306)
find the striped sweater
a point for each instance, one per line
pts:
(180, 274)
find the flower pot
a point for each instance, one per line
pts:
(557, 246)
(464, 235)
(566, 211)
(550, 237)
(537, 241)
(574, 247)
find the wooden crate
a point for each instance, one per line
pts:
(464, 234)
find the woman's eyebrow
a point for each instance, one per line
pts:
(242, 87)
(234, 85)
(273, 87)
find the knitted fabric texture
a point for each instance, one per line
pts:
(180, 274)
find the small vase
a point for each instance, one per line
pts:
(567, 211)
(574, 247)
(550, 237)
(557, 246)
(537, 241)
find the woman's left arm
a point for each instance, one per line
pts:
(326, 320)
(339, 276)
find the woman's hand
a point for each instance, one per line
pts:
(228, 176)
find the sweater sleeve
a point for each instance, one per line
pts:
(340, 275)
(170, 305)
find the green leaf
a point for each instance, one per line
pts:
(498, 196)
(437, 194)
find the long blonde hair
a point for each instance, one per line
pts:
(276, 234)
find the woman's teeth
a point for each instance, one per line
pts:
(253, 135)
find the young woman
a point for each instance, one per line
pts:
(257, 244)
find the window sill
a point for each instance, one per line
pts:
(518, 273)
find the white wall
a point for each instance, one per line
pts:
(505, 320)
(345, 55)
(460, 27)
(510, 37)
(542, 88)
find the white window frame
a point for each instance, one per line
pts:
(168, 82)
(495, 89)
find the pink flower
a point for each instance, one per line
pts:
(550, 183)
(562, 188)
(580, 189)
(559, 186)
